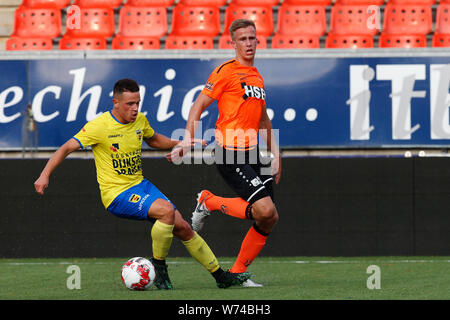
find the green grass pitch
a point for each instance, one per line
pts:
(287, 278)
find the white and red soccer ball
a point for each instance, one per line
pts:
(138, 274)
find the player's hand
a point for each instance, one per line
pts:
(41, 184)
(182, 148)
(276, 168)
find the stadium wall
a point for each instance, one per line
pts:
(338, 103)
(327, 206)
(373, 98)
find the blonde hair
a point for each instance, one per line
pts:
(240, 23)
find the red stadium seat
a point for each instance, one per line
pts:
(309, 2)
(94, 22)
(300, 20)
(46, 3)
(142, 21)
(428, 2)
(261, 15)
(98, 3)
(352, 19)
(136, 43)
(441, 40)
(402, 41)
(225, 42)
(407, 19)
(195, 21)
(214, 3)
(28, 44)
(441, 37)
(361, 2)
(269, 3)
(78, 43)
(280, 41)
(349, 41)
(150, 3)
(443, 18)
(189, 42)
(37, 22)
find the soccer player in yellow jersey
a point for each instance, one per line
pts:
(116, 140)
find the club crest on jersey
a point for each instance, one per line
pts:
(114, 147)
(253, 92)
(134, 198)
(139, 134)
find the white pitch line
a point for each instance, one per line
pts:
(259, 262)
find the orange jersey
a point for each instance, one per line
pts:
(240, 95)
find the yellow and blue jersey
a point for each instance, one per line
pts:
(117, 149)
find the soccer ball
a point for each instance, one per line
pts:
(138, 274)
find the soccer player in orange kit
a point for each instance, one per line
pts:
(239, 90)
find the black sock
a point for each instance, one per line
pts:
(216, 274)
(159, 262)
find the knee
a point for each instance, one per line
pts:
(267, 214)
(167, 213)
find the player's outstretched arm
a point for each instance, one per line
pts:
(268, 136)
(160, 141)
(42, 182)
(201, 103)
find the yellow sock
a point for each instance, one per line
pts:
(161, 239)
(201, 252)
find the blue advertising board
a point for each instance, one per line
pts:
(314, 102)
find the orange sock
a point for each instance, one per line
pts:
(236, 207)
(253, 242)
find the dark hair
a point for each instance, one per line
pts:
(240, 23)
(125, 85)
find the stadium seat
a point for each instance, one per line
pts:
(443, 18)
(301, 20)
(189, 42)
(269, 3)
(150, 3)
(95, 22)
(407, 19)
(402, 41)
(37, 22)
(349, 41)
(429, 2)
(214, 3)
(142, 21)
(352, 19)
(309, 2)
(46, 3)
(261, 15)
(195, 20)
(441, 40)
(18, 43)
(136, 43)
(82, 43)
(98, 3)
(225, 42)
(280, 41)
(441, 37)
(361, 2)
